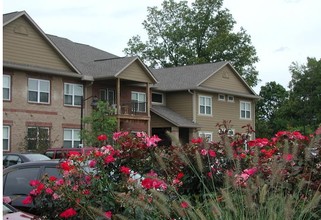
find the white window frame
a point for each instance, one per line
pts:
(158, 103)
(38, 90)
(207, 135)
(221, 97)
(37, 135)
(230, 98)
(205, 105)
(72, 93)
(73, 138)
(6, 87)
(139, 100)
(245, 107)
(6, 136)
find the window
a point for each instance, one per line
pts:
(221, 97)
(38, 137)
(230, 98)
(139, 101)
(73, 94)
(71, 138)
(38, 90)
(6, 87)
(157, 98)
(206, 135)
(205, 105)
(108, 95)
(6, 138)
(245, 110)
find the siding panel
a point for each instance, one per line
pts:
(23, 44)
(181, 102)
(136, 73)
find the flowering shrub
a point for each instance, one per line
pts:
(136, 179)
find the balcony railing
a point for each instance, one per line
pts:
(133, 108)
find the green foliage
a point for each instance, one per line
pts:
(268, 120)
(36, 140)
(102, 121)
(179, 34)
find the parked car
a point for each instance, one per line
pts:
(58, 153)
(16, 181)
(9, 212)
(10, 159)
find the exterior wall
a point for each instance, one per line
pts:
(224, 110)
(134, 125)
(136, 73)
(226, 79)
(20, 114)
(158, 122)
(181, 102)
(23, 44)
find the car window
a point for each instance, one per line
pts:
(52, 171)
(35, 157)
(50, 154)
(17, 181)
(11, 160)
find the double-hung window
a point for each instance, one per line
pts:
(245, 110)
(139, 101)
(71, 138)
(73, 94)
(6, 138)
(205, 105)
(6, 87)
(108, 95)
(207, 135)
(38, 90)
(38, 137)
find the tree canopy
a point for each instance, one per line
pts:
(179, 34)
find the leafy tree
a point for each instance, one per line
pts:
(268, 120)
(102, 121)
(305, 95)
(179, 34)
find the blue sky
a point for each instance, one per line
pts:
(282, 31)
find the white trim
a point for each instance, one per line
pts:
(205, 105)
(7, 87)
(38, 90)
(72, 93)
(163, 98)
(246, 110)
(8, 137)
(206, 134)
(221, 99)
(232, 98)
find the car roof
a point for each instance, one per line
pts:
(39, 163)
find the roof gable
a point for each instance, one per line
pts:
(26, 44)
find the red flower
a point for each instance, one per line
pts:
(102, 137)
(52, 178)
(27, 200)
(68, 213)
(198, 140)
(184, 204)
(125, 170)
(108, 214)
(109, 159)
(180, 175)
(212, 153)
(288, 157)
(65, 166)
(34, 182)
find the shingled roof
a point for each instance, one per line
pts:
(173, 117)
(185, 77)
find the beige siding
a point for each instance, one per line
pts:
(181, 102)
(226, 79)
(23, 44)
(223, 110)
(18, 113)
(158, 122)
(136, 73)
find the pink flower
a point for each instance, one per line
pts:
(119, 134)
(184, 204)
(55, 196)
(318, 131)
(250, 171)
(92, 163)
(204, 152)
(34, 182)
(102, 137)
(288, 157)
(152, 141)
(49, 191)
(68, 213)
(108, 214)
(27, 200)
(152, 183)
(125, 170)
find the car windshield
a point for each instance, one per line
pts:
(35, 157)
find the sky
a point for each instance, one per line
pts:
(282, 31)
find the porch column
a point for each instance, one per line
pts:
(118, 103)
(148, 102)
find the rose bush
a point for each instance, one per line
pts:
(134, 178)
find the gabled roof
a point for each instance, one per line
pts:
(85, 59)
(95, 62)
(173, 117)
(190, 77)
(8, 18)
